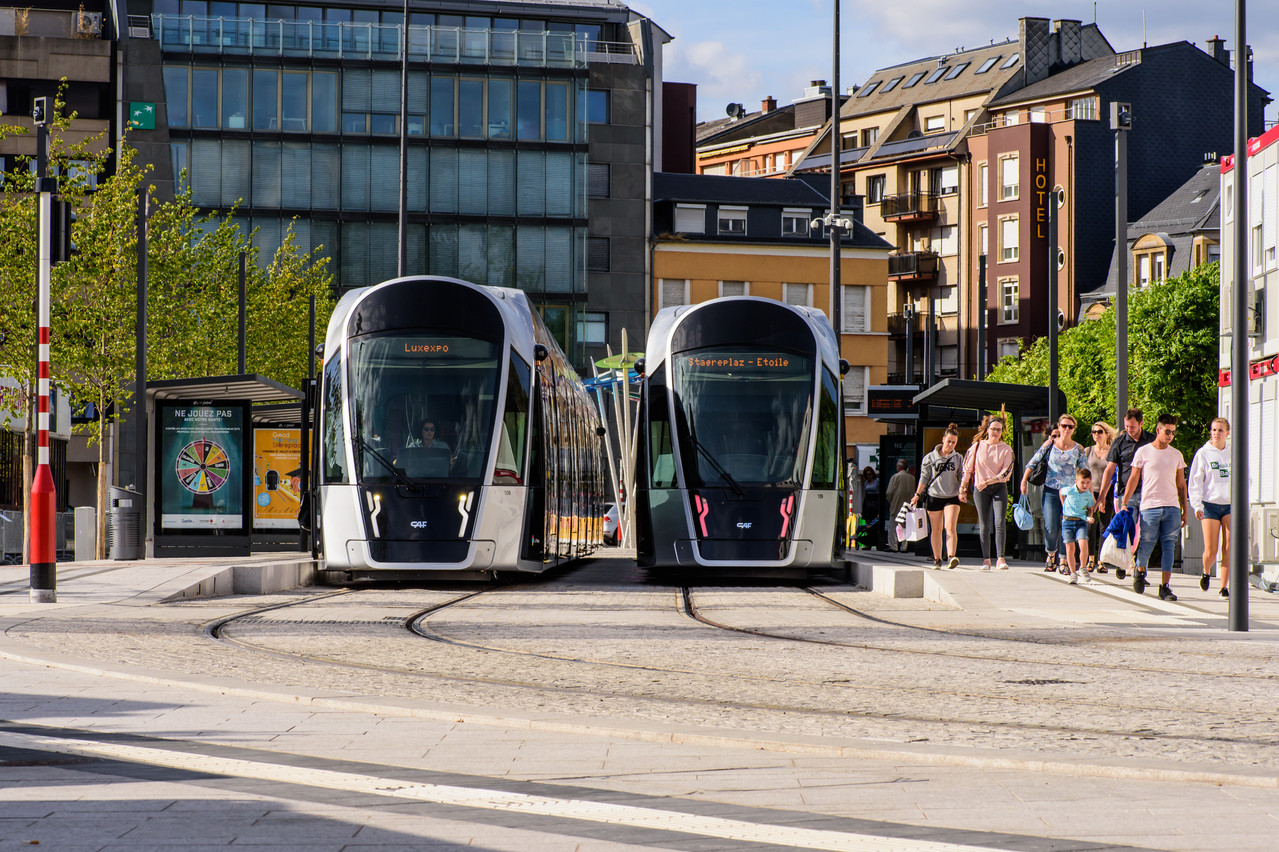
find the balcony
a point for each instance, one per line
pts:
(899, 325)
(909, 207)
(913, 266)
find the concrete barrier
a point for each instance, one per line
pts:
(895, 581)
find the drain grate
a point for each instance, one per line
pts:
(1041, 682)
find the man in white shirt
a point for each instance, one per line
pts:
(1160, 470)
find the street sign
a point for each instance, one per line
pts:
(142, 115)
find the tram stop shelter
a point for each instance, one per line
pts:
(964, 401)
(226, 468)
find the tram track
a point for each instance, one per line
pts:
(416, 625)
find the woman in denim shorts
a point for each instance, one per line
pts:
(1209, 491)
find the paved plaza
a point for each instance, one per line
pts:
(598, 710)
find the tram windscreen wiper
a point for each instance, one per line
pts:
(389, 465)
(719, 468)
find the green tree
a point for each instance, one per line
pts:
(1172, 362)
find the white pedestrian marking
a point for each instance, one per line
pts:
(497, 800)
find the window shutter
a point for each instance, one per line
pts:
(444, 180)
(559, 259)
(357, 90)
(473, 175)
(383, 253)
(443, 250)
(501, 260)
(501, 183)
(597, 180)
(854, 315)
(559, 183)
(266, 175)
(384, 178)
(237, 168)
(355, 177)
(355, 253)
(206, 172)
(530, 258)
(418, 182)
(326, 170)
(597, 254)
(385, 95)
(855, 391)
(672, 292)
(1267, 210)
(531, 187)
(732, 288)
(295, 176)
(795, 294)
(472, 253)
(268, 236)
(690, 220)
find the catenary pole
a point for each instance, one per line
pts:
(1121, 274)
(1053, 309)
(403, 241)
(836, 297)
(1240, 510)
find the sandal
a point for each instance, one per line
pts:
(1001, 565)
(1102, 569)
(1050, 564)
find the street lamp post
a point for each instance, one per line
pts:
(1121, 123)
(402, 243)
(834, 223)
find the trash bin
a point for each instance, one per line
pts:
(124, 524)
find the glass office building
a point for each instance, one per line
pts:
(291, 115)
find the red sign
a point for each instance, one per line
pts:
(1268, 366)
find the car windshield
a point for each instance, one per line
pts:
(423, 406)
(743, 415)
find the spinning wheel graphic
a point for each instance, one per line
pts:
(202, 466)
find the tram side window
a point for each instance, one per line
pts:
(826, 466)
(660, 443)
(510, 448)
(335, 470)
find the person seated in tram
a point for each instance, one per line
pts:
(428, 436)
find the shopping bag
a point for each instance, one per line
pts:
(915, 527)
(900, 520)
(1113, 554)
(1021, 514)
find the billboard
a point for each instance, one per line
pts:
(200, 466)
(277, 478)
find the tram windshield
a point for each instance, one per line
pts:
(743, 415)
(423, 406)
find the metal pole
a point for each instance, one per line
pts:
(44, 499)
(836, 295)
(140, 362)
(982, 296)
(402, 262)
(908, 314)
(304, 447)
(1053, 413)
(1121, 274)
(1240, 509)
(242, 360)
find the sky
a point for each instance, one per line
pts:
(742, 51)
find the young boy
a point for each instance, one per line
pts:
(1077, 504)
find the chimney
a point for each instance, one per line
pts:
(1070, 42)
(1218, 50)
(768, 104)
(1036, 49)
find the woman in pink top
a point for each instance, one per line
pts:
(987, 467)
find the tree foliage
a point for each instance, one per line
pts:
(1172, 360)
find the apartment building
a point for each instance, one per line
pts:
(725, 236)
(766, 143)
(1260, 290)
(1054, 135)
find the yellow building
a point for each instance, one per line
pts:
(725, 236)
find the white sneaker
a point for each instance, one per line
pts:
(1073, 581)
(985, 566)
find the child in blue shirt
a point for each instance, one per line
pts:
(1077, 503)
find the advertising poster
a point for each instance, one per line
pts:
(200, 468)
(277, 478)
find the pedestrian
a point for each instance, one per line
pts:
(1119, 465)
(1065, 457)
(900, 487)
(939, 476)
(1159, 469)
(1077, 503)
(988, 464)
(1209, 487)
(1103, 435)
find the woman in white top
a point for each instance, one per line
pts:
(1209, 490)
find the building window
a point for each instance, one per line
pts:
(594, 106)
(934, 123)
(1009, 300)
(875, 188)
(1012, 60)
(944, 240)
(597, 179)
(983, 239)
(1039, 115)
(1009, 178)
(868, 90)
(948, 360)
(987, 65)
(957, 70)
(798, 294)
(948, 180)
(1159, 270)
(869, 136)
(969, 116)
(1082, 109)
(674, 291)
(795, 223)
(690, 218)
(854, 315)
(592, 328)
(732, 221)
(855, 390)
(734, 288)
(1012, 118)
(936, 75)
(1007, 347)
(1008, 244)
(890, 85)
(914, 78)
(598, 254)
(983, 181)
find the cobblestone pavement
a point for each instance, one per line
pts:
(1115, 697)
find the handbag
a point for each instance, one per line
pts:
(1113, 553)
(1039, 471)
(1021, 514)
(915, 526)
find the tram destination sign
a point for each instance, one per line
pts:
(892, 401)
(742, 362)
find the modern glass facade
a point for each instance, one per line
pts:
(292, 114)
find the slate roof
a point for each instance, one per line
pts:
(1082, 77)
(966, 82)
(1192, 208)
(725, 189)
(720, 131)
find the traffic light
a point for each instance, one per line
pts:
(1120, 116)
(63, 247)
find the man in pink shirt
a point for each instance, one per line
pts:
(1160, 470)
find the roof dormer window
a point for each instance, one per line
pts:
(988, 64)
(936, 75)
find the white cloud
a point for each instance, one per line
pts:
(722, 74)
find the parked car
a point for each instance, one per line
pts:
(610, 524)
